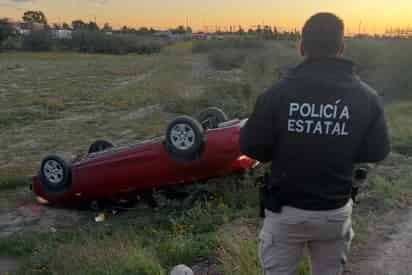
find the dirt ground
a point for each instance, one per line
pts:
(8, 265)
(389, 249)
(20, 213)
(35, 217)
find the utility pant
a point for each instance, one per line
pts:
(327, 235)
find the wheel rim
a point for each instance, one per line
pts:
(183, 136)
(53, 171)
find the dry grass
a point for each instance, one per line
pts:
(62, 102)
(92, 257)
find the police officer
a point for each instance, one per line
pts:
(314, 126)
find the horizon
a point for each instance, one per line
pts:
(214, 15)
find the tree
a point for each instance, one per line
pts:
(143, 30)
(267, 29)
(92, 26)
(65, 26)
(38, 41)
(275, 33)
(179, 30)
(107, 27)
(56, 26)
(241, 30)
(6, 29)
(35, 17)
(125, 29)
(78, 25)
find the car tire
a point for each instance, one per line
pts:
(55, 174)
(185, 139)
(99, 146)
(210, 118)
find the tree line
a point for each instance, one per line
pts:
(84, 37)
(90, 37)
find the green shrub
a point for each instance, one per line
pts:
(399, 117)
(87, 42)
(231, 43)
(12, 181)
(385, 64)
(228, 54)
(38, 41)
(100, 42)
(107, 257)
(239, 255)
(227, 59)
(12, 43)
(184, 249)
(232, 97)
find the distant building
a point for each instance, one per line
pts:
(164, 34)
(62, 34)
(173, 36)
(199, 36)
(26, 28)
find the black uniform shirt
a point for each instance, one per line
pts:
(314, 126)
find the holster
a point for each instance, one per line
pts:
(359, 179)
(269, 195)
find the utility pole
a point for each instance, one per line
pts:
(360, 26)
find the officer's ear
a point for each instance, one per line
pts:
(301, 49)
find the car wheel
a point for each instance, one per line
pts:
(210, 118)
(55, 174)
(99, 146)
(185, 139)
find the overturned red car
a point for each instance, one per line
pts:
(191, 150)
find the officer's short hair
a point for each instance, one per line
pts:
(323, 35)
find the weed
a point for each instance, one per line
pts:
(63, 101)
(227, 59)
(13, 178)
(400, 122)
(235, 43)
(240, 256)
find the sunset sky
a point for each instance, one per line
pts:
(375, 15)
